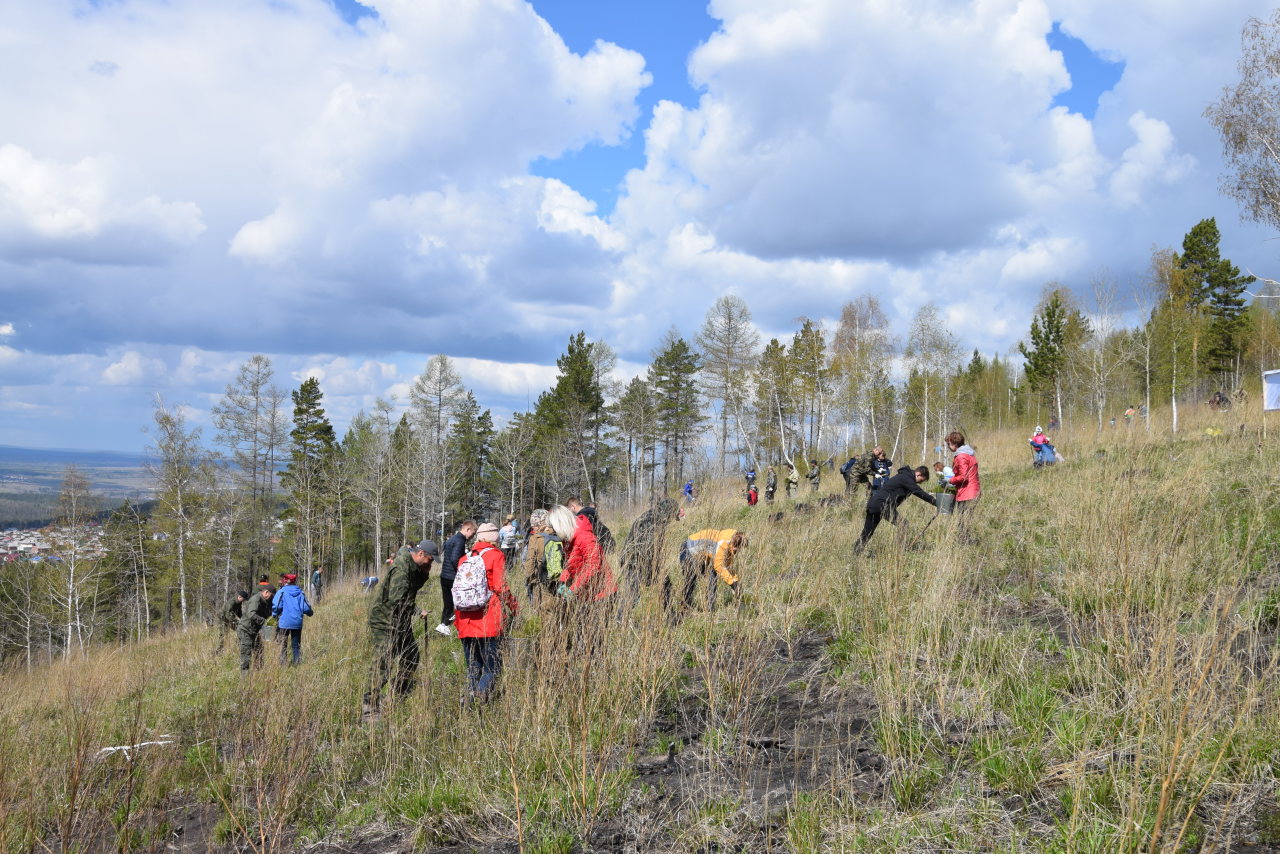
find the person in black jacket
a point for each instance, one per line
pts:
(884, 502)
(454, 548)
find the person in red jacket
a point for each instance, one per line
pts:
(964, 468)
(586, 574)
(481, 630)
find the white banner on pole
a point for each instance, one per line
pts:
(1270, 390)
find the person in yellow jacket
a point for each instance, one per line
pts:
(709, 554)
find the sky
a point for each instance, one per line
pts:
(350, 188)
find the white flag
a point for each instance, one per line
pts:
(1271, 389)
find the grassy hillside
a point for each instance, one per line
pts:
(1091, 667)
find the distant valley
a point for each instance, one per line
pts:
(31, 477)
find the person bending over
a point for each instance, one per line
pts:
(884, 502)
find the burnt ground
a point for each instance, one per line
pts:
(746, 734)
(796, 733)
(723, 775)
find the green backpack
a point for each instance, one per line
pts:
(552, 562)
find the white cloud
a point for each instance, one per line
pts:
(348, 201)
(132, 368)
(77, 210)
(1149, 160)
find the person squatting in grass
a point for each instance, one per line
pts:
(454, 549)
(231, 618)
(290, 607)
(708, 554)
(255, 612)
(883, 503)
(481, 628)
(391, 623)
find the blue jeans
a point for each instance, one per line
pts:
(290, 638)
(484, 662)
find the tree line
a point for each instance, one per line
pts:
(279, 489)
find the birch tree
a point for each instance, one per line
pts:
(728, 343)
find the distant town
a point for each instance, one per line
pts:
(53, 543)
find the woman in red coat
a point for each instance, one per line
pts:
(964, 467)
(481, 630)
(586, 574)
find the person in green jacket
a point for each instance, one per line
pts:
(255, 611)
(391, 624)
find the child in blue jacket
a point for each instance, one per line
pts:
(290, 606)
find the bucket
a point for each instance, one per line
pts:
(946, 503)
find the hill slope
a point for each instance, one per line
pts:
(1089, 666)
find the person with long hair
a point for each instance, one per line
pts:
(586, 574)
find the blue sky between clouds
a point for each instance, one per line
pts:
(666, 32)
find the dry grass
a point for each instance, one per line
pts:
(1090, 668)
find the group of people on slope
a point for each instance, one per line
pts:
(247, 614)
(884, 499)
(567, 572)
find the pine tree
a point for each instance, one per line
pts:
(1056, 329)
(635, 416)
(469, 441)
(673, 377)
(313, 441)
(1217, 286)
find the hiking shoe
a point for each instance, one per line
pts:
(444, 629)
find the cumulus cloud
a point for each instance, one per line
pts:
(349, 199)
(77, 211)
(132, 368)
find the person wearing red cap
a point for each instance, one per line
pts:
(289, 607)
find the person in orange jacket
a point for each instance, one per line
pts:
(481, 630)
(710, 553)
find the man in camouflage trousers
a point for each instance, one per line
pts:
(643, 551)
(391, 624)
(254, 613)
(869, 466)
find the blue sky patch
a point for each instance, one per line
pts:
(352, 11)
(1091, 74)
(665, 32)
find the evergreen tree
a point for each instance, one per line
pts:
(635, 416)
(673, 376)
(313, 441)
(1056, 329)
(1216, 284)
(570, 419)
(469, 441)
(811, 382)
